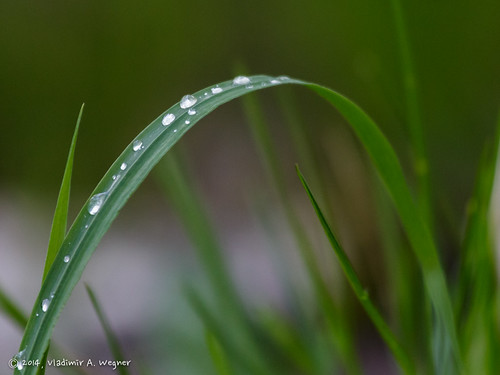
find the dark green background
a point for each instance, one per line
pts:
(130, 60)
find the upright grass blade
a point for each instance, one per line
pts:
(60, 221)
(337, 323)
(137, 160)
(413, 118)
(411, 310)
(11, 310)
(219, 357)
(478, 279)
(177, 183)
(399, 353)
(389, 169)
(114, 344)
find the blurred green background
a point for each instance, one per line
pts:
(129, 60)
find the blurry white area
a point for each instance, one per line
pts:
(131, 273)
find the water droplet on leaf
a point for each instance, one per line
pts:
(66, 259)
(192, 112)
(45, 305)
(123, 166)
(188, 101)
(241, 80)
(136, 146)
(168, 119)
(95, 203)
(216, 90)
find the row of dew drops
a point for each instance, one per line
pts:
(97, 200)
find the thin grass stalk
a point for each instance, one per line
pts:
(413, 117)
(337, 324)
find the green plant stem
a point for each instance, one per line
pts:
(413, 117)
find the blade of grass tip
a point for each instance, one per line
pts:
(113, 342)
(59, 223)
(218, 355)
(338, 324)
(413, 119)
(387, 165)
(399, 353)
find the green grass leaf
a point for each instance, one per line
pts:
(391, 173)
(218, 355)
(114, 344)
(134, 164)
(362, 295)
(11, 310)
(60, 221)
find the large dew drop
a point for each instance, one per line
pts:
(241, 80)
(95, 203)
(137, 145)
(168, 119)
(45, 305)
(188, 101)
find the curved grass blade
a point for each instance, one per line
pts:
(134, 164)
(389, 169)
(399, 353)
(114, 344)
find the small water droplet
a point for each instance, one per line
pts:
(37, 314)
(275, 81)
(192, 112)
(216, 90)
(136, 146)
(114, 177)
(66, 259)
(188, 101)
(249, 86)
(45, 305)
(241, 80)
(206, 94)
(283, 78)
(86, 226)
(168, 119)
(187, 122)
(123, 166)
(95, 203)
(175, 130)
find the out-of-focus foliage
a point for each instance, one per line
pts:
(119, 57)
